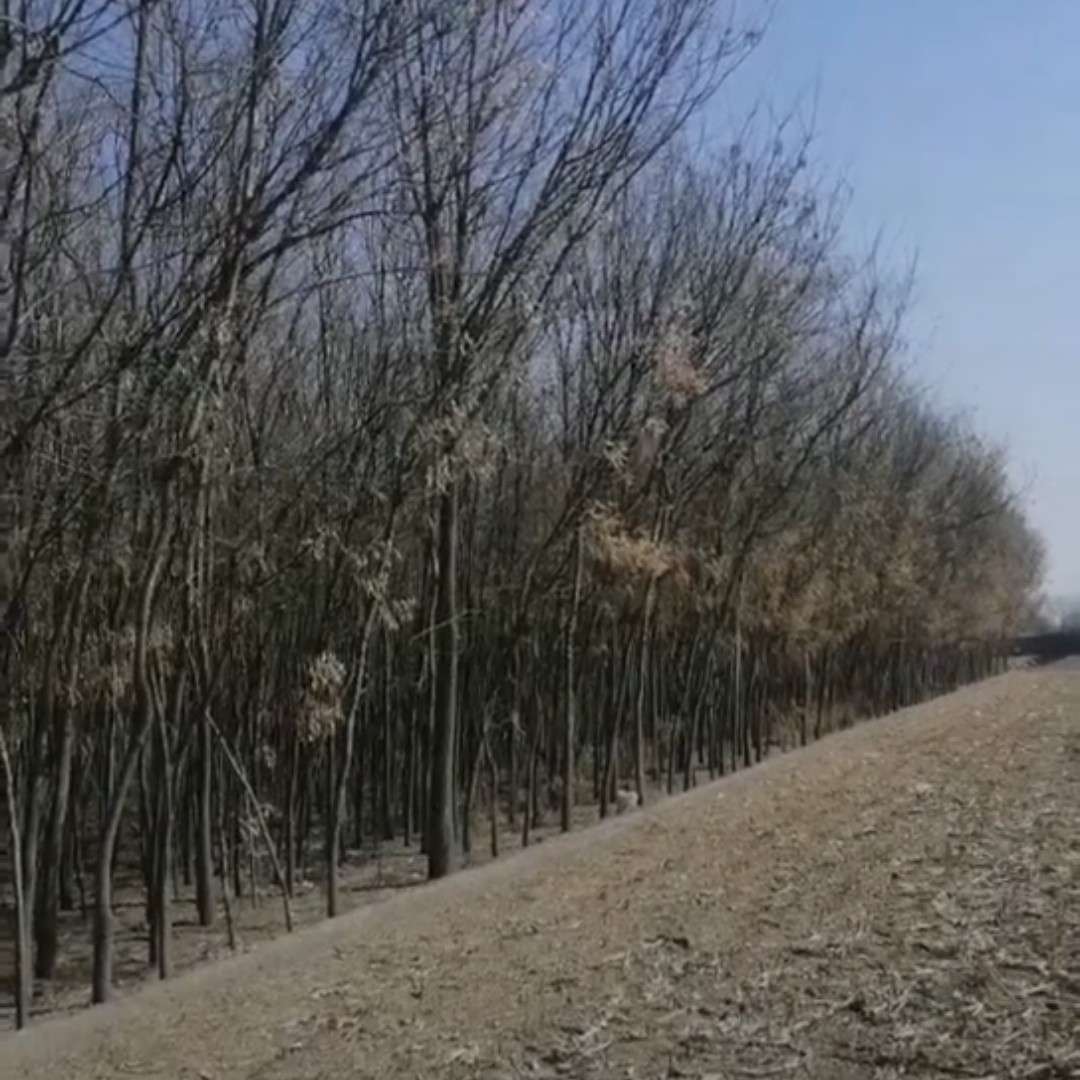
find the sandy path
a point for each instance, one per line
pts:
(899, 899)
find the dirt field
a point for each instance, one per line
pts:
(370, 875)
(902, 899)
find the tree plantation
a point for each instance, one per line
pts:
(405, 426)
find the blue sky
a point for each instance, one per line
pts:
(957, 124)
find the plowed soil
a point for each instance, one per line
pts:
(901, 899)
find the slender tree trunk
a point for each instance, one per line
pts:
(640, 697)
(21, 929)
(46, 897)
(204, 852)
(440, 833)
(162, 911)
(48, 906)
(619, 702)
(691, 739)
(70, 856)
(338, 776)
(290, 816)
(409, 785)
(427, 731)
(185, 855)
(36, 774)
(493, 805)
(148, 839)
(223, 845)
(358, 791)
(472, 788)
(330, 849)
(101, 984)
(512, 752)
(569, 767)
(387, 787)
(808, 698)
(527, 815)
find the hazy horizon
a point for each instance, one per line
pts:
(956, 127)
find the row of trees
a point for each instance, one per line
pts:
(396, 416)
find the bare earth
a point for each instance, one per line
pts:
(901, 899)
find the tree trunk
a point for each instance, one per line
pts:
(493, 806)
(527, 814)
(290, 817)
(101, 983)
(409, 785)
(204, 852)
(440, 833)
(640, 696)
(569, 769)
(23, 984)
(330, 829)
(808, 698)
(387, 787)
(163, 849)
(48, 906)
(338, 777)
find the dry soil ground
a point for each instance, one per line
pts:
(901, 899)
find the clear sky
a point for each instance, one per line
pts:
(957, 124)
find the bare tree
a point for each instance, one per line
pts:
(518, 123)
